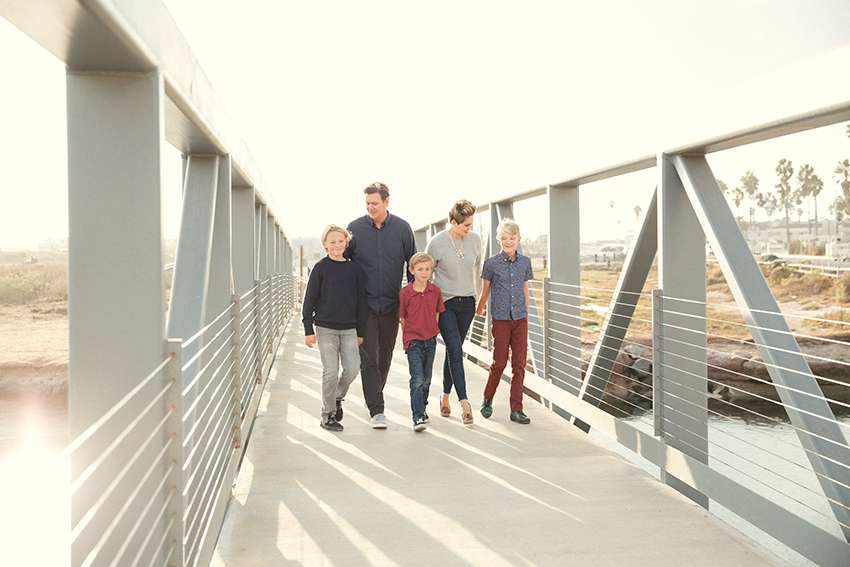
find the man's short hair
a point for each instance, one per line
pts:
(508, 226)
(379, 188)
(334, 228)
(461, 211)
(418, 258)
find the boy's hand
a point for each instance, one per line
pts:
(310, 340)
(359, 341)
(479, 310)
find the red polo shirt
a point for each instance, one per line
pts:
(419, 310)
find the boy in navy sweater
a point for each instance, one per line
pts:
(334, 313)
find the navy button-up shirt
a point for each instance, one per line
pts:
(507, 278)
(382, 253)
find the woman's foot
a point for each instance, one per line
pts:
(466, 412)
(445, 409)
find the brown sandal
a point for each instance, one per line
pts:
(467, 419)
(445, 411)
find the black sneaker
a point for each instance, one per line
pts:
(520, 417)
(338, 414)
(427, 419)
(331, 424)
(419, 425)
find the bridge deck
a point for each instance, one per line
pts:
(497, 493)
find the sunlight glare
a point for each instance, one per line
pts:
(35, 522)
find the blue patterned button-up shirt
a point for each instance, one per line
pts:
(507, 278)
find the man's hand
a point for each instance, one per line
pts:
(310, 340)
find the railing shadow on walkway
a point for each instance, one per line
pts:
(495, 493)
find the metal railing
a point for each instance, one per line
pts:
(155, 454)
(171, 496)
(652, 376)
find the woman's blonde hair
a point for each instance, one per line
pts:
(461, 211)
(334, 228)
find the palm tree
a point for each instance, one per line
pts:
(840, 207)
(732, 193)
(842, 175)
(769, 203)
(810, 185)
(785, 195)
(842, 172)
(637, 211)
(750, 187)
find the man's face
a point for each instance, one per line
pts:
(376, 207)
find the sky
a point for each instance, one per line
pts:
(442, 101)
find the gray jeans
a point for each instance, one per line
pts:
(335, 347)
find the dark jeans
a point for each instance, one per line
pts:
(376, 355)
(454, 323)
(420, 359)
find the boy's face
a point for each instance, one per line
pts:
(422, 271)
(508, 242)
(335, 243)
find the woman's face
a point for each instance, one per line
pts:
(462, 228)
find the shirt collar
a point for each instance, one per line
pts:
(383, 224)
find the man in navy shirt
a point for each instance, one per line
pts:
(381, 245)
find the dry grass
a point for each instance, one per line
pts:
(821, 297)
(36, 283)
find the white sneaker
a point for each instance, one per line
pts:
(379, 421)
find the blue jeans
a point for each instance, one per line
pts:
(420, 359)
(454, 323)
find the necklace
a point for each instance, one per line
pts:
(460, 253)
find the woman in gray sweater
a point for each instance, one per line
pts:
(457, 272)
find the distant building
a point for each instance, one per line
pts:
(308, 251)
(54, 244)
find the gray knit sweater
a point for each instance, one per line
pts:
(456, 277)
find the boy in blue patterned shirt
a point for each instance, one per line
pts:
(506, 277)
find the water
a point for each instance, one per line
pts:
(35, 514)
(27, 422)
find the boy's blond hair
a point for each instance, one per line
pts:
(334, 228)
(507, 226)
(418, 258)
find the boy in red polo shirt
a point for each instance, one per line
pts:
(420, 304)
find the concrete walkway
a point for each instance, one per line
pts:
(496, 493)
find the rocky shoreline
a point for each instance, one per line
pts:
(736, 371)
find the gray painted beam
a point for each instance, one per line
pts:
(187, 308)
(116, 288)
(564, 262)
(221, 271)
(819, 433)
(626, 296)
(242, 202)
(681, 277)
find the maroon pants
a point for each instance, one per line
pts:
(513, 335)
